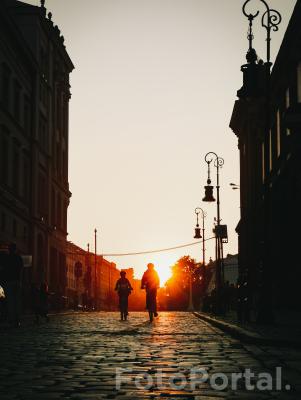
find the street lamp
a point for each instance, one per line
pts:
(198, 235)
(220, 230)
(270, 19)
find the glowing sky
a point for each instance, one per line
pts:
(153, 91)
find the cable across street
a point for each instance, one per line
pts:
(154, 251)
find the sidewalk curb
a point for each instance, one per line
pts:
(245, 335)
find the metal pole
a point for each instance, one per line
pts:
(204, 250)
(218, 162)
(190, 305)
(88, 266)
(220, 241)
(95, 270)
(197, 212)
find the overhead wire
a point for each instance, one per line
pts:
(155, 251)
(147, 251)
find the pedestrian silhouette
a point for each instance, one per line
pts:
(151, 282)
(3, 308)
(12, 284)
(34, 300)
(44, 303)
(123, 288)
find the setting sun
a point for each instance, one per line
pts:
(164, 271)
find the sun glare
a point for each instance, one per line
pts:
(164, 272)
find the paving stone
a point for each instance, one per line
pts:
(77, 357)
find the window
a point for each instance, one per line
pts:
(17, 100)
(26, 178)
(5, 78)
(287, 98)
(42, 206)
(263, 162)
(58, 109)
(270, 151)
(43, 134)
(53, 208)
(44, 63)
(278, 129)
(44, 94)
(64, 162)
(16, 170)
(24, 233)
(59, 211)
(58, 159)
(27, 116)
(299, 82)
(3, 222)
(4, 150)
(65, 215)
(15, 228)
(65, 118)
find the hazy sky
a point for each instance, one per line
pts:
(152, 93)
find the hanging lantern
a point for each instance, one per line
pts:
(197, 234)
(208, 192)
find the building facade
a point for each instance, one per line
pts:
(83, 270)
(267, 121)
(34, 137)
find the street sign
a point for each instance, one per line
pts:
(221, 232)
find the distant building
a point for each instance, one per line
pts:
(269, 142)
(231, 272)
(231, 269)
(107, 275)
(81, 279)
(34, 140)
(77, 264)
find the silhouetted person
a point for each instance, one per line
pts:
(85, 300)
(226, 297)
(34, 300)
(39, 301)
(12, 277)
(243, 312)
(3, 308)
(123, 288)
(151, 282)
(44, 303)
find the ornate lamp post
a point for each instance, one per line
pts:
(198, 235)
(270, 19)
(220, 230)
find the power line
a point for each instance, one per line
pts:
(154, 251)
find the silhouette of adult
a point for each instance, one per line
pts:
(151, 282)
(123, 288)
(12, 278)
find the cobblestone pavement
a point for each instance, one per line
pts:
(76, 356)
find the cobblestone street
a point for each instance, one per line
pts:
(76, 356)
